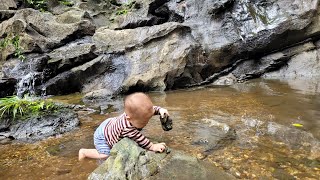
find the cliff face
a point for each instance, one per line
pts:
(108, 47)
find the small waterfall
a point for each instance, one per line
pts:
(27, 83)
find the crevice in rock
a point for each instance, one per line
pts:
(220, 7)
(140, 86)
(158, 13)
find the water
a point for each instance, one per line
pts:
(265, 145)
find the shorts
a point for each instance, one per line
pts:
(99, 139)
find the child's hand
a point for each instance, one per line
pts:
(163, 111)
(160, 147)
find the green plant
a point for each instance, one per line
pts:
(42, 5)
(14, 106)
(38, 4)
(65, 2)
(125, 8)
(15, 42)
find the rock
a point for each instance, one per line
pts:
(74, 79)
(218, 136)
(226, 80)
(128, 161)
(6, 14)
(162, 45)
(40, 127)
(294, 138)
(71, 55)
(7, 87)
(249, 29)
(161, 64)
(273, 62)
(41, 32)
(7, 4)
(122, 40)
(303, 64)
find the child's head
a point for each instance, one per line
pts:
(139, 109)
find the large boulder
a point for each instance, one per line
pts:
(149, 57)
(129, 161)
(232, 30)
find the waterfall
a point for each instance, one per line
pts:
(26, 85)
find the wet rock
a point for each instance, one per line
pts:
(248, 29)
(164, 50)
(71, 55)
(303, 64)
(217, 136)
(7, 4)
(220, 6)
(73, 79)
(292, 137)
(40, 127)
(29, 74)
(226, 80)
(128, 161)
(7, 87)
(273, 62)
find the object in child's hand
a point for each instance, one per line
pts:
(166, 122)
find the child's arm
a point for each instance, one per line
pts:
(134, 134)
(160, 147)
(160, 111)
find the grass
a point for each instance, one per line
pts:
(13, 106)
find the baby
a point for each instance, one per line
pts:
(138, 109)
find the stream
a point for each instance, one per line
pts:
(245, 129)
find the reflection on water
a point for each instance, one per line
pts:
(246, 129)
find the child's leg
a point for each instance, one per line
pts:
(91, 153)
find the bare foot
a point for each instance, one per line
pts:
(81, 154)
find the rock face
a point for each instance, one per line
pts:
(128, 161)
(155, 44)
(42, 32)
(7, 4)
(7, 87)
(40, 127)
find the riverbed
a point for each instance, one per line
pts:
(275, 129)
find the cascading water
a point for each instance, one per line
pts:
(26, 84)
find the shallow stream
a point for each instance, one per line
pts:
(245, 129)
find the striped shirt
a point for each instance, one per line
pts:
(119, 127)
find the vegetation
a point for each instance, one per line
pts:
(13, 40)
(125, 8)
(42, 5)
(38, 4)
(14, 106)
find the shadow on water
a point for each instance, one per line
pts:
(245, 129)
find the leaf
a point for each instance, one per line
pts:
(297, 125)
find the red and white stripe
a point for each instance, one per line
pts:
(119, 127)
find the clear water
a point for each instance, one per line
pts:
(250, 108)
